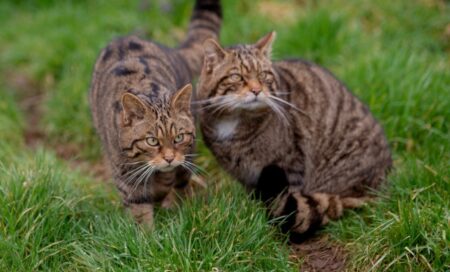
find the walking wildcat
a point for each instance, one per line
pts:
(140, 101)
(290, 132)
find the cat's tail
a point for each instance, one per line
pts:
(301, 214)
(304, 214)
(205, 24)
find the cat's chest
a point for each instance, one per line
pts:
(226, 128)
(244, 149)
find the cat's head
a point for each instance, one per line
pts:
(238, 78)
(161, 135)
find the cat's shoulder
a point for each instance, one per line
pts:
(302, 66)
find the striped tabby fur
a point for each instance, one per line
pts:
(290, 132)
(140, 102)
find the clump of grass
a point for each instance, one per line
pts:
(215, 231)
(38, 217)
(55, 219)
(408, 230)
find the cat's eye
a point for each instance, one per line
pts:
(179, 138)
(152, 141)
(265, 77)
(235, 77)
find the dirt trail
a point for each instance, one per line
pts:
(31, 98)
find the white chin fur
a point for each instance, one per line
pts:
(254, 105)
(250, 103)
(168, 168)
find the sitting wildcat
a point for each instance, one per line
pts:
(140, 102)
(291, 133)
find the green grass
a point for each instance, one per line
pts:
(59, 220)
(394, 55)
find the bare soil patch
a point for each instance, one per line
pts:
(320, 254)
(30, 96)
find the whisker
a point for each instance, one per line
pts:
(215, 105)
(132, 163)
(187, 168)
(143, 178)
(289, 104)
(283, 101)
(131, 172)
(136, 173)
(206, 100)
(190, 169)
(280, 113)
(146, 175)
(196, 167)
(224, 106)
(135, 185)
(150, 173)
(218, 103)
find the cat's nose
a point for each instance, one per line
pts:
(169, 159)
(256, 91)
(255, 87)
(168, 155)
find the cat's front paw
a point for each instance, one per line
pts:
(143, 214)
(169, 201)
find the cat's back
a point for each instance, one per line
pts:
(131, 64)
(319, 94)
(299, 73)
(127, 47)
(131, 58)
(340, 130)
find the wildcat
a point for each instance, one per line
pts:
(290, 132)
(140, 101)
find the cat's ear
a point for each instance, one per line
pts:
(265, 44)
(133, 109)
(181, 101)
(213, 53)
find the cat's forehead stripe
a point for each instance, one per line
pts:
(160, 130)
(172, 129)
(248, 61)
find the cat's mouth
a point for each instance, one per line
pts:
(168, 167)
(253, 103)
(252, 100)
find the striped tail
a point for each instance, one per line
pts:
(302, 214)
(205, 23)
